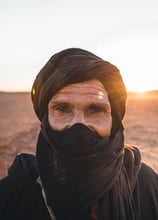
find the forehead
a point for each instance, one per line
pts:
(90, 90)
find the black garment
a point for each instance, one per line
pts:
(81, 167)
(20, 194)
(21, 197)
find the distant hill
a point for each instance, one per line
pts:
(130, 93)
(19, 92)
(146, 94)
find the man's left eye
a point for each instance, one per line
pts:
(96, 109)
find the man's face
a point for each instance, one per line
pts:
(86, 102)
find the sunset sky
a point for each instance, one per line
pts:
(123, 32)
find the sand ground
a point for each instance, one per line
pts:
(20, 127)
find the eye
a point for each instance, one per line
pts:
(98, 108)
(94, 108)
(61, 108)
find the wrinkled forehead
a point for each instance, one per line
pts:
(89, 88)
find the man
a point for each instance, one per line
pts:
(82, 169)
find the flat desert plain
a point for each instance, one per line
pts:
(19, 126)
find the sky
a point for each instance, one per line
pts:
(123, 32)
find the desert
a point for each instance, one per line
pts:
(20, 127)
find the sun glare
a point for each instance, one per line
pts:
(141, 94)
(135, 54)
(139, 83)
(139, 66)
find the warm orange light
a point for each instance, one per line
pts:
(144, 95)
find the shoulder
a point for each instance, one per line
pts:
(20, 194)
(148, 178)
(23, 169)
(21, 175)
(143, 172)
(25, 166)
(146, 193)
(145, 182)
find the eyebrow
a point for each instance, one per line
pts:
(100, 105)
(60, 103)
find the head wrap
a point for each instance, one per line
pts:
(66, 157)
(76, 65)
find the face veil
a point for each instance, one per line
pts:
(78, 167)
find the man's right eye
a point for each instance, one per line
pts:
(62, 109)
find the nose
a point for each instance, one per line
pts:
(78, 117)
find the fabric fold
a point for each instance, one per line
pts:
(78, 167)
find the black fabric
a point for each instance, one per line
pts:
(83, 167)
(20, 194)
(21, 198)
(74, 65)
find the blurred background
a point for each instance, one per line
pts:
(123, 32)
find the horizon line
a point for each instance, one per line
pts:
(128, 91)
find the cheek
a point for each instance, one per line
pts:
(102, 125)
(105, 127)
(57, 121)
(108, 126)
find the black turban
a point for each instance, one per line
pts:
(76, 167)
(76, 65)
